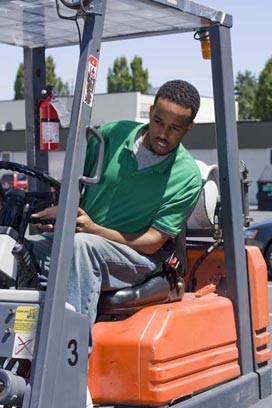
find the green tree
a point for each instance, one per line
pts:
(19, 83)
(61, 87)
(119, 78)
(263, 101)
(139, 76)
(50, 74)
(245, 88)
(51, 78)
(122, 79)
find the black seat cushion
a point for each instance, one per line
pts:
(160, 288)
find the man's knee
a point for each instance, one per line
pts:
(84, 240)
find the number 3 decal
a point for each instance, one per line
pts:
(72, 345)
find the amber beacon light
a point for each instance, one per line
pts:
(204, 38)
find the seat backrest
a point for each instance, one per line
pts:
(202, 219)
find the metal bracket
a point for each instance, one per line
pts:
(82, 6)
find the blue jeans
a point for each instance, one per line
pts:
(98, 264)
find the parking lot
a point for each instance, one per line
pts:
(261, 216)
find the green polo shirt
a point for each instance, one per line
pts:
(130, 200)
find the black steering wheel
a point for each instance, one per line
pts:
(30, 171)
(18, 205)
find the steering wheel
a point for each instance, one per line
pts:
(27, 201)
(31, 171)
(17, 206)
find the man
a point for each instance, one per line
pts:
(149, 186)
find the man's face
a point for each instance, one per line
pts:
(168, 124)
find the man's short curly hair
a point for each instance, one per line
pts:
(181, 93)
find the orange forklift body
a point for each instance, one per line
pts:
(167, 352)
(259, 304)
(164, 352)
(212, 271)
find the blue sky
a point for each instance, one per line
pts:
(167, 57)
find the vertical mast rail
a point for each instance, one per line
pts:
(34, 63)
(230, 190)
(47, 355)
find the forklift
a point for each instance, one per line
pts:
(197, 339)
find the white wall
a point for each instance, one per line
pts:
(207, 156)
(135, 106)
(206, 111)
(56, 161)
(107, 107)
(14, 112)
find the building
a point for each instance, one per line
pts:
(106, 107)
(253, 137)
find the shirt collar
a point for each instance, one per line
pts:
(131, 139)
(161, 167)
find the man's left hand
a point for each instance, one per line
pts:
(84, 223)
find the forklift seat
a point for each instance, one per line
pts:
(164, 287)
(167, 286)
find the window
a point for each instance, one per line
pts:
(6, 156)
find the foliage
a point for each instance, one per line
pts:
(50, 71)
(120, 79)
(51, 78)
(263, 101)
(139, 76)
(245, 89)
(19, 83)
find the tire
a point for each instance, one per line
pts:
(268, 260)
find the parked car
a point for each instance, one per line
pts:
(13, 180)
(260, 235)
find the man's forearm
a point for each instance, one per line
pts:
(147, 243)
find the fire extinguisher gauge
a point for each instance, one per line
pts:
(48, 90)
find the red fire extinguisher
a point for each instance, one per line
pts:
(49, 121)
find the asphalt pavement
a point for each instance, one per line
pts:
(257, 217)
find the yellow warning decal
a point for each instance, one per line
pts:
(26, 319)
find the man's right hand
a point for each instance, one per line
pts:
(50, 212)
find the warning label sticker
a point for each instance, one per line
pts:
(26, 319)
(91, 78)
(23, 346)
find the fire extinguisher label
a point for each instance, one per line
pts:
(50, 132)
(62, 112)
(91, 78)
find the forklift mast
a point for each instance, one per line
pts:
(36, 25)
